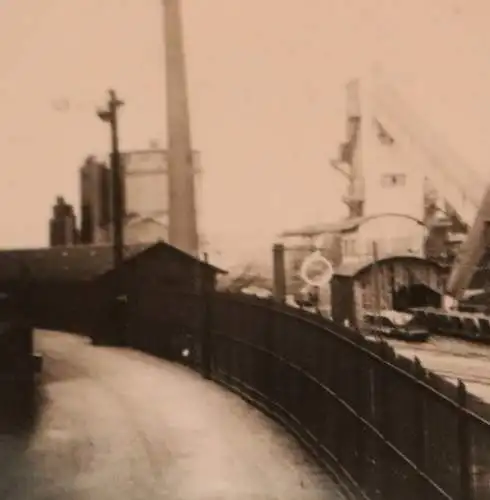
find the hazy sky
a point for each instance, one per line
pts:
(266, 88)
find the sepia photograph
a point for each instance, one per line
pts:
(245, 250)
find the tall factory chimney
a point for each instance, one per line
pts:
(182, 203)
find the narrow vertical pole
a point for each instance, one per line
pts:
(279, 270)
(421, 489)
(118, 210)
(464, 443)
(118, 306)
(206, 337)
(117, 182)
(110, 116)
(376, 284)
(377, 288)
(363, 411)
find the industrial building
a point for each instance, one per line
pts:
(94, 182)
(63, 224)
(408, 194)
(146, 199)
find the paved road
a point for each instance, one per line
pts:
(121, 425)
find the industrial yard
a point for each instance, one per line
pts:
(454, 359)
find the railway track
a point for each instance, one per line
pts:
(467, 379)
(454, 359)
(446, 346)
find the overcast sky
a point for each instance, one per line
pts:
(266, 84)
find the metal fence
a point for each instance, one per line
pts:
(383, 424)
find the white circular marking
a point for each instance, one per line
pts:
(313, 260)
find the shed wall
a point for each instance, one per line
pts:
(392, 275)
(342, 299)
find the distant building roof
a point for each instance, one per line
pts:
(133, 219)
(342, 226)
(77, 263)
(351, 269)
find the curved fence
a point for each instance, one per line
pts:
(388, 430)
(385, 425)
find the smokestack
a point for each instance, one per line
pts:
(353, 99)
(182, 203)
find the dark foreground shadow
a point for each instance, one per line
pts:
(18, 424)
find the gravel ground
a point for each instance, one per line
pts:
(454, 359)
(118, 424)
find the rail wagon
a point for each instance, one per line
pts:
(391, 283)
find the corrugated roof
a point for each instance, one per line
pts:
(353, 268)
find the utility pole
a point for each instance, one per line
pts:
(110, 115)
(117, 314)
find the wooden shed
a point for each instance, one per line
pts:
(159, 299)
(72, 288)
(160, 266)
(368, 285)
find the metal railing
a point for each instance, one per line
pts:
(382, 424)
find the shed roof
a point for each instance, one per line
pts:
(353, 269)
(76, 263)
(166, 248)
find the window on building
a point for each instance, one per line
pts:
(349, 247)
(393, 180)
(345, 247)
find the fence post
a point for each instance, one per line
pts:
(269, 362)
(333, 379)
(362, 411)
(420, 424)
(383, 415)
(206, 336)
(464, 444)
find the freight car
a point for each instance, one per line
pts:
(458, 324)
(395, 325)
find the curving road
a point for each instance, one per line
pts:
(118, 424)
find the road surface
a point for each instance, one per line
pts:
(118, 424)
